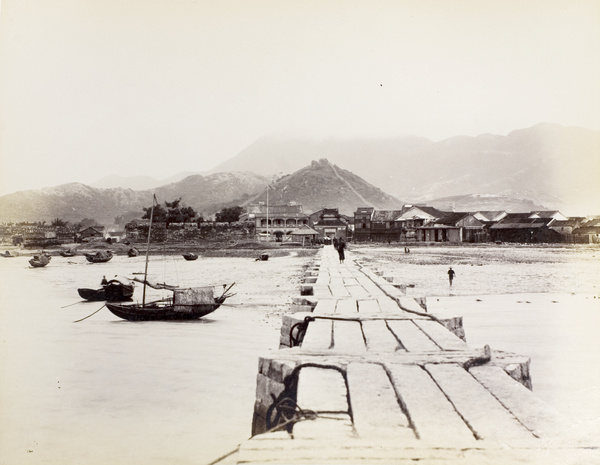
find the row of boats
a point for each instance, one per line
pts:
(188, 303)
(101, 256)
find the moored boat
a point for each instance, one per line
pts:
(40, 261)
(114, 290)
(67, 253)
(190, 256)
(184, 304)
(133, 252)
(101, 256)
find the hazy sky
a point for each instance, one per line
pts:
(91, 88)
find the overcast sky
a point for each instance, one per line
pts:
(91, 88)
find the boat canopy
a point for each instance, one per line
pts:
(185, 299)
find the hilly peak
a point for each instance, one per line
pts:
(323, 184)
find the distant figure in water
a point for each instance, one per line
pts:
(406, 250)
(451, 274)
(340, 248)
(104, 281)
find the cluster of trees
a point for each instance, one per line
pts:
(175, 212)
(229, 215)
(172, 212)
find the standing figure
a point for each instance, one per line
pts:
(335, 243)
(451, 274)
(340, 248)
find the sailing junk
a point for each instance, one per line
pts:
(185, 304)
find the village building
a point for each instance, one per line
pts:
(566, 227)
(90, 233)
(384, 227)
(392, 225)
(362, 224)
(414, 217)
(524, 228)
(454, 227)
(305, 235)
(277, 222)
(588, 232)
(113, 235)
(329, 222)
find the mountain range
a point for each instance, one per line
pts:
(543, 167)
(548, 164)
(74, 202)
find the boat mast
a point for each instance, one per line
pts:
(148, 251)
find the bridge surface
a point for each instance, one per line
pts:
(370, 377)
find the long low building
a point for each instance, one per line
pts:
(427, 224)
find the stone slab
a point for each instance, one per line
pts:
(488, 418)
(412, 337)
(375, 409)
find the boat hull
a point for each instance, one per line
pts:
(190, 256)
(98, 257)
(40, 261)
(161, 312)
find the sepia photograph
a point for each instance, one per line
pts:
(299, 232)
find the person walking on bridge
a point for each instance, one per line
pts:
(340, 248)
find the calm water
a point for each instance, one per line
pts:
(106, 390)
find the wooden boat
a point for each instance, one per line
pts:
(99, 257)
(67, 253)
(113, 291)
(41, 260)
(263, 257)
(6, 254)
(133, 252)
(185, 303)
(190, 256)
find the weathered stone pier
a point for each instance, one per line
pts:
(366, 375)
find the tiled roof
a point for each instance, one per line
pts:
(304, 230)
(546, 213)
(451, 218)
(382, 216)
(432, 211)
(522, 223)
(490, 215)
